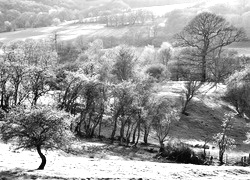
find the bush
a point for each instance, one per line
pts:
(181, 153)
(158, 71)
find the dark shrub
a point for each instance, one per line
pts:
(239, 97)
(2, 113)
(181, 153)
(158, 71)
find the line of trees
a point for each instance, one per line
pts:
(104, 87)
(121, 18)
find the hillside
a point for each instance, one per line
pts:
(205, 114)
(98, 160)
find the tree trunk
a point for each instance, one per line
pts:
(221, 158)
(16, 94)
(162, 147)
(203, 69)
(100, 128)
(184, 109)
(114, 129)
(128, 133)
(134, 134)
(122, 131)
(145, 137)
(138, 134)
(42, 165)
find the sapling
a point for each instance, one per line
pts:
(222, 139)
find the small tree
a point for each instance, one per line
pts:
(222, 139)
(191, 88)
(206, 140)
(36, 128)
(123, 68)
(165, 53)
(163, 116)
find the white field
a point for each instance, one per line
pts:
(20, 165)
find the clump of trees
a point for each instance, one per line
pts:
(31, 14)
(27, 72)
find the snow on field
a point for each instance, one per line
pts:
(65, 32)
(21, 165)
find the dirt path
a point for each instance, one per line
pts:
(21, 165)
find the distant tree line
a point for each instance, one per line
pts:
(121, 18)
(12, 20)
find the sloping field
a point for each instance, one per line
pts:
(205, 114)
(71, 30)
(64, 32)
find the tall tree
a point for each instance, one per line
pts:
(124, 63)
(206, 34)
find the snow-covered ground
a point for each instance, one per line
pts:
(20, 165)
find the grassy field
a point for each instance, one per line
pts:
(65, 31)
(71, 30)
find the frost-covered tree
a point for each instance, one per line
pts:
(37, 128)
(123, 68)
(223, 139)
(31, 66)
(163, 116)
(165, 53)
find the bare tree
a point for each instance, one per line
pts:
(206, 33)
(191, 89)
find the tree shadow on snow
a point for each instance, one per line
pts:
(15, 173)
